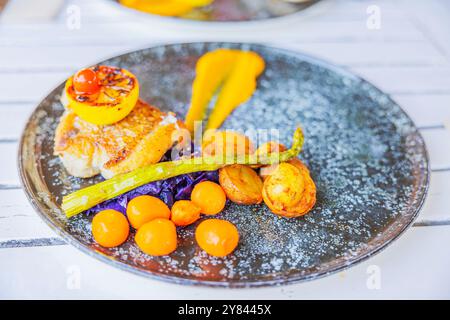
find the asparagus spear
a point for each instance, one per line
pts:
(86, 198)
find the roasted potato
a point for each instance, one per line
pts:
(218, 143)
(289, 191)
(241, 184)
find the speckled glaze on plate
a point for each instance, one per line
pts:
(366, 156)
(242, 10)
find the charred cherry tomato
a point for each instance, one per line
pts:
(116, 94)
(85, 81)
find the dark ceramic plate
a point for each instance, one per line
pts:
(244, 10)
(366, 156)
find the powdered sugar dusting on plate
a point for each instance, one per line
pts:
(365, 155)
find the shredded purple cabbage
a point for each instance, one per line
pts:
(169, 190)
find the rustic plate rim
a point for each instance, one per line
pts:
(70, 239)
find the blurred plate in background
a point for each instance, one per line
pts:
(243, 10)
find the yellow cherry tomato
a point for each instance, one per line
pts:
(185, 212)
(217, 237)
(143, 209)
(157, 237)
(110, 228)
(209, 196)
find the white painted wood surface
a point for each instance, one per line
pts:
(409, 58)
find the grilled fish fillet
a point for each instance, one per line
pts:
(138, 140)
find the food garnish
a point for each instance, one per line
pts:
(209, 196)
(86, 198)
(110, 228)
(217, 237)
(241, 184)
(102, 95)
(185, 212)
(165, 7)
(289, 191)
(143, 209)
(233, 70)
(86, 82)
(157, 237)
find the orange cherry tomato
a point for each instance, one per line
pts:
(143, 209)
(217, 237)
(185, 212)
(110, 228)
(86, 81)
(157, 237)
(209, 196)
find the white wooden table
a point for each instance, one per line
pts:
(409, 58)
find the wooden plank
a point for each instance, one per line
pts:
(13, 119)
(431, 18)
(9, 175)
(415, 261)
(409, 80)
(135, 32)
(57, 58)
(419, 80)
(437, 205)
(438, 144)
(29, 87)
(437, 141)
(401, 80)
(372, 54)
(67, 58)
(20, 222)
(426, 110)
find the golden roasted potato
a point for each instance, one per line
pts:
(289, 191)
(226, 143)
(241, 184)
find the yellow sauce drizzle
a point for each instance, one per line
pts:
(235, 71)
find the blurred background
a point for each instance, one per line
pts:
(401, 46)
